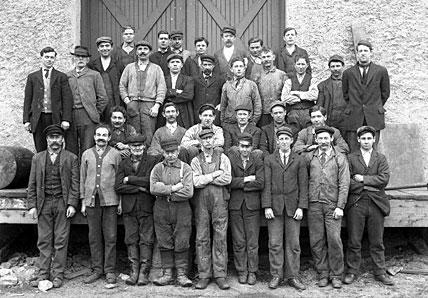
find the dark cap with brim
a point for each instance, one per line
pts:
(143, 43)
(208, 58)
(174, 56)
(176, 33)
(206, 132)
(139, 139)
(277, 103)
(365, 42)
(321, 129)
(102, 39)
(366, 129)
(245, 136)
(54, 129)
(169, 144)
(81, 51)
(336, 58)
(284, 131)
(206, 106)
(243, 108)
(230, 30)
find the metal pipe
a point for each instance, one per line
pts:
(407, 187)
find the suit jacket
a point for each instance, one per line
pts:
(114, 71)
(248, 192)
(191, 66)
(61, 98)
(306, 138)
(335, 107)
(365, 101)
(224, 64)
(232, 132)
(69, 169)
(206, 93)
(268, 138)
(285, 62)
(376, 177)
(184, 100)
(286, 186)
(138, 186)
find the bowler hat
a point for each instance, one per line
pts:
(137, 139)
(104, 39)
(143, 43)
(364, 129)
(326, 128)
(81, 51)
(54, 129)
(169, 144)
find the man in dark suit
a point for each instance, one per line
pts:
(53, 195)
(285, 57)
(330, 95)
(228, 52)
(180, 91)
(268, 141)
(110, 70)
(208, 87)
(48, 99)
(126, 52)
(367, 205)
(365, 90)
(133, 183)
(159, 57)
(284, 197)
(244, 209)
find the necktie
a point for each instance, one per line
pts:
(322, 158)
(244, 163)
(237, 83)
(207, 79)
(364, 79)
(46, 73)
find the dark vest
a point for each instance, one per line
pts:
(304, 86)
(53, 177)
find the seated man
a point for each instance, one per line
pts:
(170, 130)
(191, 140)
(268, 139)
(120, 130)
(232, 132)
(306, 137)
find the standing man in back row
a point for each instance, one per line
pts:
(125, 53)
(365, 90)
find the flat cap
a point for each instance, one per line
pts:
(243, 107)
(143, 43)
(208, 58)
(277, 103)
(176, 33)
(206, 106)
(81, 51)
(104, 39)
(169, 144)
(365, 42)
(54, 129)
(228, 29)
(336, 58)
(284, 131)
(245, 136)
(206, 132)
(137, 139)
(364, 129)
(174, 56)
(326, 128)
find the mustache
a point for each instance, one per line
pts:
(101, 140)
(56, 143)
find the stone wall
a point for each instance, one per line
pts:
(398, 31)
(25, 28)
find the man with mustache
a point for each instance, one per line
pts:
(48, 99)
(192, 67)
(100, 203)
(53, 196)
(299, 93)
(208, 87)
(89, 102)
(330, 95)
(172, 183)
(228, 52)
(125, 53)
(133, 184)
(239, 91)
(270, 82)
(366, 89)
(120, 130)
(176, 44)
(328, 192)
(306, 139)
(110, 70)
(142, 88)
(160, 56)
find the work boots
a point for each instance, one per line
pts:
(165, 279)
(143, 277)
(133, 256)
(182, 279)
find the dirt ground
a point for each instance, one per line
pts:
(399, 252)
